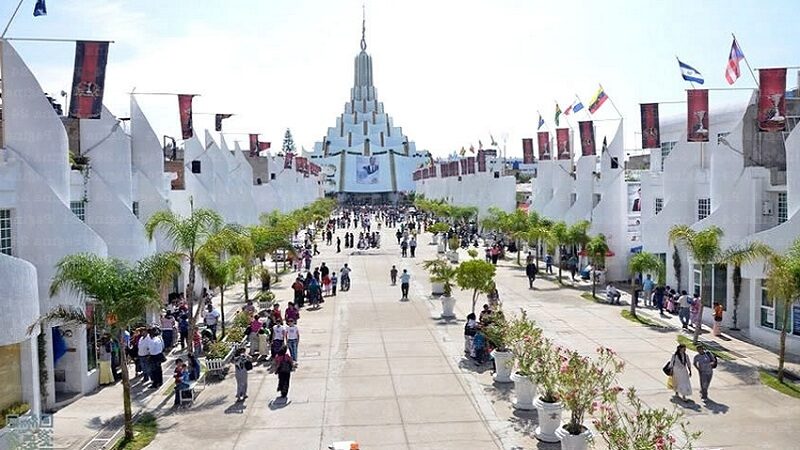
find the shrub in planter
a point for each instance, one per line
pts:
(218, 350)
(443, 272)
(241, 320)
(235, 334)
(17, 409)
(265, 297)
(438, 228)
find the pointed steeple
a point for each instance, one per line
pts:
(363, 65)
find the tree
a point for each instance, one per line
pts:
(288, 142)
(783, 284)
(704, 247)
(441, 271)
(645, 262)
(596, 249)
(578, 235)
(188, 236)
(558, 238)
(121, 293)
(476, 275)
(737, 256)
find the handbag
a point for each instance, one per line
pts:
(248, 365)
(667, 369)
(670, 384)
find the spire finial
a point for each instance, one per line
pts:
(363, 27)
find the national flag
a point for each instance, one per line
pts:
(471, 149)
(690, 74)
(494, 143)
(40, 9)
(558, 113)
(463, 151)
(577, 107)
(218, 118)
(597, 101)
(732, 71)
(480, 146)
(541, 122)
(568, 111)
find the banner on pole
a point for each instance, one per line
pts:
(218, 118)
(544, 146)
(470, 164)
(287, 160)
(527, 150)
(481, 160)
(772, 99)
(88, 79)
(185, 109)
(562, 143)
(651, 128)
(697, 120)
(587, 138)
(253, 144)
(463, 166)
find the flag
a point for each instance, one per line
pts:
(568, 111)
(577, 106)
(558, 113)
(185, 110)
(527, 151)
(651, 134)
(772, 99)
(690, 74)
(471, 149)
(480, 146)
(732, 71)
(218, 118)
(463, 151)
(40, 9)
(264, 145)
(88, 79)
(541, 122)
(253, 144)
(597, 101)
(697, 115)
(494, 143)
(587, 138)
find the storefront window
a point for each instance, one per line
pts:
(711, 284)
(773, 313)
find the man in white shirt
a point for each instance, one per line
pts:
(156, 358)
(278, 337)
(405, 279)
(612, 294)
(684, 302)
(210, 318)
(292, 338)
(144, 355)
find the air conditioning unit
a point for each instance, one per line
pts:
(766, 208)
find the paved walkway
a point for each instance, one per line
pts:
(392, 376)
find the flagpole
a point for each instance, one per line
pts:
(161, 93)
(11, 19)
(679, 69)
(55, 40)
(585, 108)
(612, 102)
(753, 74)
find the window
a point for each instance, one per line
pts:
(703, 208)
(79, 209)
(783, 207)
(773, 312)
(666, 149)
(767, 307)
(5, 231)
(659, 205)
(135, 209)
(711, 284)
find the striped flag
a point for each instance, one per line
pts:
(599, 98)
(732, 71)
(558, 113)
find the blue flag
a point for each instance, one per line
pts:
(541, 122)
(690, 74)
(40, 9)
(577, 107)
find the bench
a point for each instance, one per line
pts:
(187, 395)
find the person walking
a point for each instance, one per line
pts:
(338, 244)
(694, 312)
(658, 298)
(647, 287)
(143, 345)
(717, 318)
(242, 363)
(283, 368)
(393, 275)
(531, 270)
(334, 280)
(278, 337)
(210, 318)
(292, 338)
(405, 278)
(684, 302)
(548, 262)
(412, 246)
(705, 362)
(681, 373)
(572, 264)
(404, 248)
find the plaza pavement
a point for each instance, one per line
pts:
(390, 375)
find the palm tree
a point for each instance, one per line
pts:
(704, 247)
(558, 238)
(737, 256)
(188, 236)
(644, 262)
(596, 248)
(783, 284)
(121, 292)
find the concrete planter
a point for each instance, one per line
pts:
(448, 303)
(437, 288)
(452, 256)
(525, 390)
(441, 247)
(503, 362)
(435, 239)
(549, 420)
(573, 441)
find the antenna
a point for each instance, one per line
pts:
(363, 27)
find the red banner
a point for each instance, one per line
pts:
(185, 109)
(544, 146)
(315, 169)
(651, 127)
(287, 160)
(562, 143)
(772, 99)
(253, 144)
(88, 79)
(470, 164)
(264, 145)
(527, 151)
(454, 168)
(697, 120)
(481, 160)
(463, 166)
(586, 129)
(443, 169)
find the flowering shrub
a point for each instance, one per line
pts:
(582, 381)
(637, 427)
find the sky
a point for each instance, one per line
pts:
(449, 72)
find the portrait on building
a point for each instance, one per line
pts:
(367, 170)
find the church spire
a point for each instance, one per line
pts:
(363, 65)
(363, 28)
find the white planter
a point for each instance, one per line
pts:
(437, 288)
(503, 362)
(549, 420)
(525, 390)
(441, 247)
(572, 441)
(435, 239)
(448, 303)
(452, 256)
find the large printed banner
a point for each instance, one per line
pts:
(88, 79)
(463, 166)
(587, 138)
(301, 165)
(253, 144)
(562, 143)
(470, 164)
(367, 170)
(697, 120)
(651, 128)
(527, 150)
(634, 214)
(287, 161)
(544, 146)
(481, 160)
(771, 99)
(454, 168)
(185, 109)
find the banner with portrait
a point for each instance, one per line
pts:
(481, 160)
(253, 144)
(697, 111)
(88, 79)
(368, 171)
(772, 99)
(634, 213)
(586, 129)
(185, 110)
(562, 143)
(651, 128)
(470, 164)
(544, 145)
(527, 150)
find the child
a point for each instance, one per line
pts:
(393, 275)
(479, 346)
(333, 284)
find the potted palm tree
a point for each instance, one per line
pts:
(438, 229)
(442, 276)
(645, 262)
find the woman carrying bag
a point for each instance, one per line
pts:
(679, 371)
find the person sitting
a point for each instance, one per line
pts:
(612, 294)
(479, 347)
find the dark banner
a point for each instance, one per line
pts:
(88, 79)
(264, 145)
(253, 144)
(454, 168)
(772, 99)
(470, 164)
(287, 161)
(315, 169)
(544, 146)
(651, 128)
(185, 109)
(527, 150)
(586, 129)
(463, 166)
(301, 165)
(562, 143)
(697, 120)
(481, 160)
(218, 118)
